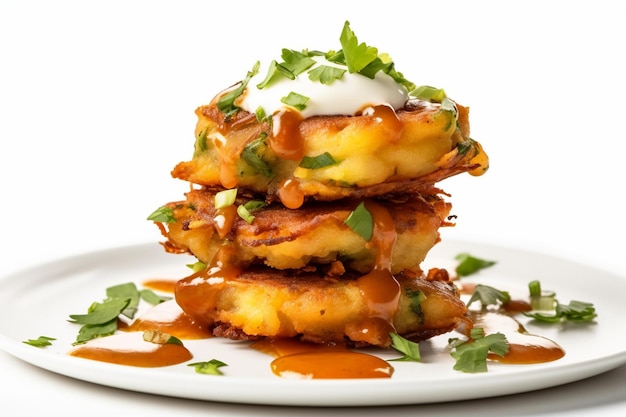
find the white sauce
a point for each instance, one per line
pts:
(346, 96)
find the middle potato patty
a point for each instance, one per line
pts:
(313, 235)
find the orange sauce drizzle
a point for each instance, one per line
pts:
(379, 286)
(121, 350)
(197, 293)
(224, 219)
(290, 194)
(163, 285)
(167, 317)
(387, 116)
(316, 361)
(524, 348)
(286, 140)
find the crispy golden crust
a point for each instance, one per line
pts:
(315, 234)
(374, 153)
(262, 302)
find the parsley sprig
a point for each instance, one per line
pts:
(209, 367)
(101, 318)
(471, 354)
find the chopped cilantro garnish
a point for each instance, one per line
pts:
(487, 295)
(128, 292)
(260, 114)
(326, 74)
(428, 93)
(201, 144)
(319, 161)
(469, 264)
(471, 355)
(153, 298)
(361, 221)
(162, 215)
(102, 317)
(101, 313)
(294, 63)
(41, 341)
(297, 62)
(575, 312)
(252, 154)
(295, 100)
(226, 103)
(197, 266)
(357, 55)
(409, 349)
(547, 309)
(416, 297)
(209, 368)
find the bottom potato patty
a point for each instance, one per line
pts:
(264, 302)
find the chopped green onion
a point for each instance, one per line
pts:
(316, 162)
(245, 210)
(225, 198)
(361, 221)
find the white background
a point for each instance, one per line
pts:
(97, 105)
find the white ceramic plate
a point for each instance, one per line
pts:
(37, 302)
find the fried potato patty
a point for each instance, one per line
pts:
(314, 234)
(263, 302)
(336, 156)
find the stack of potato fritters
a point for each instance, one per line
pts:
(325, 231)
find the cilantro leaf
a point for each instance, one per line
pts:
(295, 100)
(41, 341)
(357, 55)
(469, 264)
(99, 313)
(252, 154)
(226, 103)
(162, 215)
(93, 331)
(326, 74)
(209, 368)
(297, 62)
(128, 292)
(471, 355)
(197, 266)
(487, 295)
(151, 297)
(409, 349)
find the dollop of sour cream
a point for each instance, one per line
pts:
(346, 96)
